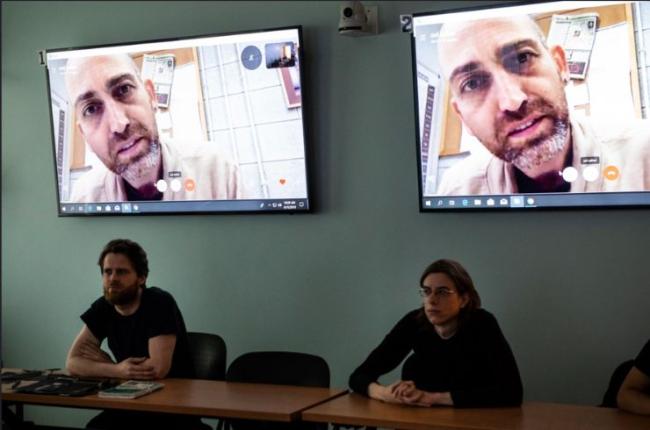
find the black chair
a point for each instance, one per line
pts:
(615, 382)
(208, 353)
(281, 368)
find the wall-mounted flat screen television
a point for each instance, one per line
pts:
(536, 105)
(204, 124)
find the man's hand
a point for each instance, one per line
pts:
(132, 368)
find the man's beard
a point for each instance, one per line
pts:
(538, 151)
(123, 296)
(140, 165)
(544, 149)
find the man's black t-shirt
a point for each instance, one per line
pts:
(128, 336)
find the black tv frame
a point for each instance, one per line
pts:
(441, 204)
(309, 200)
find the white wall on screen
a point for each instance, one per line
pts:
(247, 109)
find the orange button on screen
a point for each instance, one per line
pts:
(190, 185)
(611, 173)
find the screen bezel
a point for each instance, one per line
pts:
(307, 148)
(571, 204)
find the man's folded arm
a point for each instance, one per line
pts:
(161, 351)
(86, 358)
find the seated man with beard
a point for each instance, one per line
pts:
(115, 113)
(145, 332)
(507, 87)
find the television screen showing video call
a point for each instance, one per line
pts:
(194, 125)
(540, 105)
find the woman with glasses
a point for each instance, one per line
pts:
(459, 354)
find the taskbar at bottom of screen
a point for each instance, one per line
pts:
(182, 206)
(531, 201)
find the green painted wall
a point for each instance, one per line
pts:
(568, 287)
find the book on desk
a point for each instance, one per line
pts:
(130, 390)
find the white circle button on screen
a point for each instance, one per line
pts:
(176, 185)
(161, 185)
(590, 173)
(570, 174)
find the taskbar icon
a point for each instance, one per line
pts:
(475, 202)
(99, 208)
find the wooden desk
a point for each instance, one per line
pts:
(216, 399)
(353, 409)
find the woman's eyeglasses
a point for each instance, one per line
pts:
(438, 293)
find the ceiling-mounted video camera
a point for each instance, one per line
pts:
(357, 20)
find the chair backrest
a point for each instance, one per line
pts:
(615, 382)
(280, 367)
(208, 353)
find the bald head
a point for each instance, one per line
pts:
(468, 36)
(79, 71)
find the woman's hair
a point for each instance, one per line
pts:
(461, 279)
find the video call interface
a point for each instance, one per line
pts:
(203, 124)
(532, 106)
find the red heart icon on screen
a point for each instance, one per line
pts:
(282, 181)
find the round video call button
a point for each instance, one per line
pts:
(190, 185)
(161, 185)
(611, 173)
(590, 173)
(251, 57)
(570, 174)
(175, 185)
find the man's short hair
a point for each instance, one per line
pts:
(131, 250)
